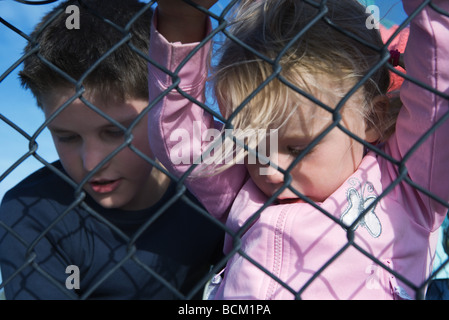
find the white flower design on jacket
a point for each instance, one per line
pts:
(356, 206)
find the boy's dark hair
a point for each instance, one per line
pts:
(122, 74)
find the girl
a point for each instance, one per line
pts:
(342, 209)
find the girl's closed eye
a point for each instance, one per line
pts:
(295, 151)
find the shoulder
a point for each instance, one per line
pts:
(41, 183)
(42, 194)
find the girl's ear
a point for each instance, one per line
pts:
(378, 116)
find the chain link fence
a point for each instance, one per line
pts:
(131, 240)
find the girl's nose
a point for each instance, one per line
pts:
(272, 174)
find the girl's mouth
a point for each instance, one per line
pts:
(290, 200)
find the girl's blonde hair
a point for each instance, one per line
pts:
(332, 48)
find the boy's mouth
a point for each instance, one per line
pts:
(104, 186)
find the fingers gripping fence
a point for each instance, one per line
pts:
(132, 240)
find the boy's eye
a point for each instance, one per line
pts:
(115, 132)
(67, 138)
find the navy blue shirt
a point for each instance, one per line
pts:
(117, 254)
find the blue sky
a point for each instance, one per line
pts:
(15, 103)
(18, 105)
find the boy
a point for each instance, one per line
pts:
(103, 222)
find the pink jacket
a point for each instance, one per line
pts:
(298, 244)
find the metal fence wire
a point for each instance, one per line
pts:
(31, 259)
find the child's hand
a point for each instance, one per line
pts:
(179, 21)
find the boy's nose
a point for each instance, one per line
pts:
(92, 155)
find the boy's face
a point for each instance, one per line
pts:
(83, 138)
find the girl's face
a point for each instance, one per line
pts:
(334, 159)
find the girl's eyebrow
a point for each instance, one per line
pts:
(296, 140)
(300, 137)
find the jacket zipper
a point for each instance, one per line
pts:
(277, 254)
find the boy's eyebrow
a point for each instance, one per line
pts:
(125, 123)
(57, 129)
